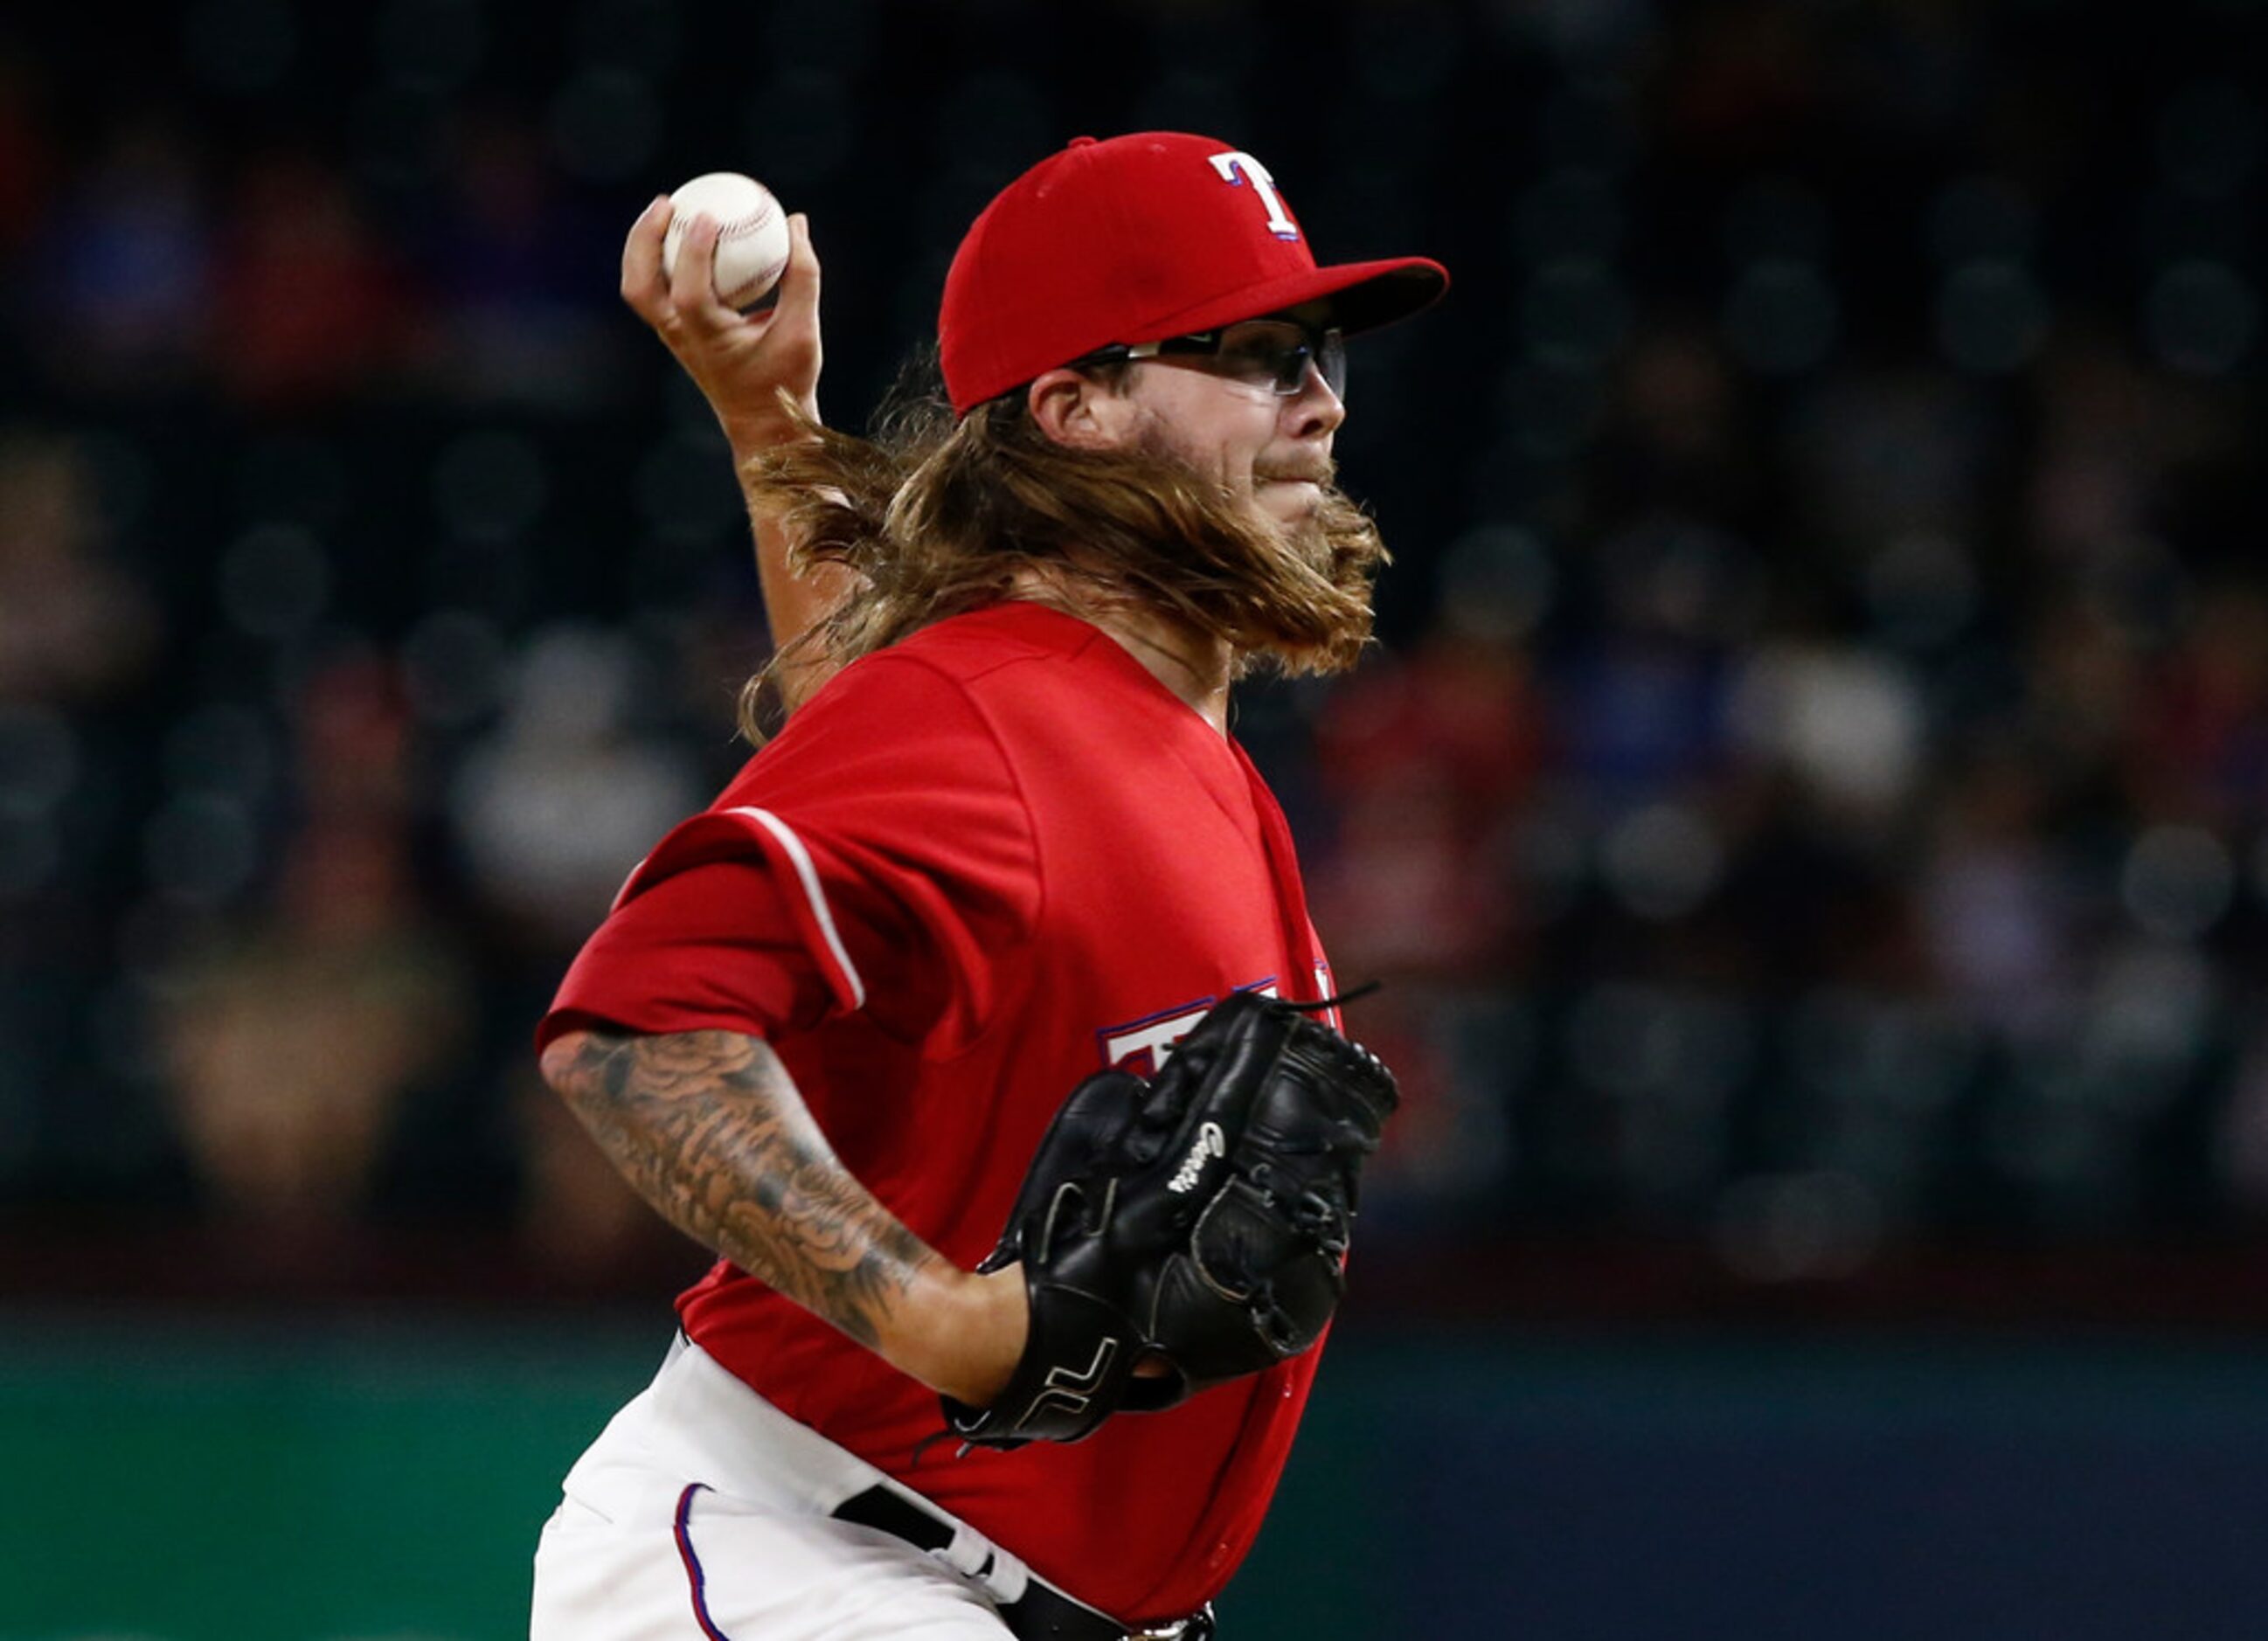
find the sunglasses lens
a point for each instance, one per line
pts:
(1271, 353)
(1260, 352)
(1292, 363)
(1291, 351)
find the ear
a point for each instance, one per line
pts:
(1073, 408)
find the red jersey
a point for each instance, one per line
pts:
(987, 861)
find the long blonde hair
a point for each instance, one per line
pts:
(936, 517)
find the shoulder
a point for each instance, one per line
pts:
(969, 699)
(912, 719)
(970, 646)
(949, 673)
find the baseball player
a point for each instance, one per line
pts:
(1004, 842)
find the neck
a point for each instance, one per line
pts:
(1195, 666)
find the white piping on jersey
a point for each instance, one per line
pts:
(801, 858)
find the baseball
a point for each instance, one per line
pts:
(751, 250)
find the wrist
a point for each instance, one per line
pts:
(971, 1335)
(755, 432)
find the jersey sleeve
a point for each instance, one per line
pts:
(711, 948)
(892, 827)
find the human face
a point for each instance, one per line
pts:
(1271, 446)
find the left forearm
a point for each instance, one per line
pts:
(710, 1129)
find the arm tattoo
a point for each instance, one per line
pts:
(710, 1129)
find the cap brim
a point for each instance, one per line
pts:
(1359, 296)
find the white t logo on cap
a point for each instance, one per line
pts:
(1234, 162)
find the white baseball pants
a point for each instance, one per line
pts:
(702, 1511)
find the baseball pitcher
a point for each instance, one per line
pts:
(979, 1025)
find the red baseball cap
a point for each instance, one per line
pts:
(1135, 239)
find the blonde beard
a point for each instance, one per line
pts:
(1306, 540)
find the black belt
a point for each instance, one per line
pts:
(1040, 1613)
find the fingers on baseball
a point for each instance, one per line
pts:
(693, 283)
(799, 282)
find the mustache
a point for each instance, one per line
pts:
(1323, 471)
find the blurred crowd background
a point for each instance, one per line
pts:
(1809, 806)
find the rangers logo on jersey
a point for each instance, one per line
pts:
(1142, 1046)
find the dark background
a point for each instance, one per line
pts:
(1809, 804)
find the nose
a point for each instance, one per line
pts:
(1314, 409)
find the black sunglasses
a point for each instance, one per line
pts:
(1273, 353)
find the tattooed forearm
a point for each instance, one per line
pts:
(710, 1129)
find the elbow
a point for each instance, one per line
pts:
(566, 1063)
